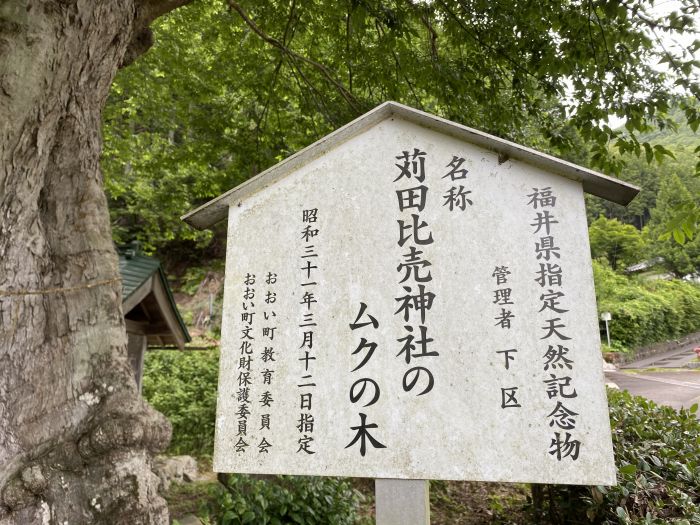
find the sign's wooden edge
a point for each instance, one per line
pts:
(595, 183)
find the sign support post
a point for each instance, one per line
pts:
(606, 316)
(402, 501)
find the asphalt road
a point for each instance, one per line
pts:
(678, 389)
(662, 379)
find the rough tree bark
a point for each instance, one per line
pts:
(75, 437)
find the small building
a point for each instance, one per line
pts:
(151, 315)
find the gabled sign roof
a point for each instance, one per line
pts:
(595, 183)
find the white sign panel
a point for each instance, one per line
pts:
(405, 306)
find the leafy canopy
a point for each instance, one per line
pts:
(621, 244)
(231, 87)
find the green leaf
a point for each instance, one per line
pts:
(678, 236)
(660, 152)
(628, 469)
(649, 152)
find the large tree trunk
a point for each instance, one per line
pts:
(75, 437)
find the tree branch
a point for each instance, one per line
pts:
(142, 36)
(474, 34)
(349, 97)
(149, 10)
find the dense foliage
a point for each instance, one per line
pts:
(657, 451)
(646, 311)
(620, 244)
(294, 500)
(182, 385)
(681, 259)
(667, 189)
(232, 87)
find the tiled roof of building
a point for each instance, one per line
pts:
(135, 270)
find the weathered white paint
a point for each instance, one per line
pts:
(459, 430)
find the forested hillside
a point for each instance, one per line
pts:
(665, 188)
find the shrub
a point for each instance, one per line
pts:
(645, 312)
(182, 385)
(657, 452)
(285, 500)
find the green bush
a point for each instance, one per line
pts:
(286, 500)
(644, 311)
(615, 347)
(182, 385)
(657, 452)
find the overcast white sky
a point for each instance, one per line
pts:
(665, 7)
(662, 8)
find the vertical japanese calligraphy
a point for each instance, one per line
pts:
(503, 299)
(457, 198)
(557, 362)
(415, 278)
(245, 360)
(308, 260)
(409, 305)
(365, 390)
(267, 356)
